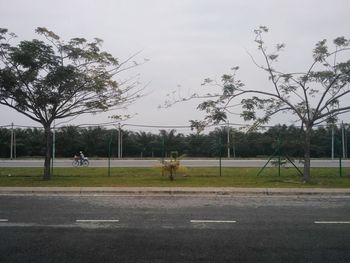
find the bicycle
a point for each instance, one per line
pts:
(78, 162)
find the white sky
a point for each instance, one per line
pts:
(185, 40)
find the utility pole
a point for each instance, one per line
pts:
(228, 140)
(346, 140)
(11, 144)
(233, 144)
(14, 145)
(332, 142)
(343, 138)
(220, 155)
(120, 142)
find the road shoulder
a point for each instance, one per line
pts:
(175, 190)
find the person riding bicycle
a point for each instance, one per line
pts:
(81, 157)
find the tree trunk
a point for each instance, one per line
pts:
(47, 174)
(307, 142)
(171, 176)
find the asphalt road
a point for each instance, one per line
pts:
(69, 228)
(152, 163)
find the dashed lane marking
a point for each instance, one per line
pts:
(213, 221)
(97, 220)
(332, 222)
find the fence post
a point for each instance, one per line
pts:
(53, 147)
(343, 138)
(109, 155)
(220, 154)
(332, 152)
(119, 141)
(11, 144)
(279, 155)
(228, 141)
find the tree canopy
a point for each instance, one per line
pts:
(51, 79)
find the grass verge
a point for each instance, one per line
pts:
(194, 177)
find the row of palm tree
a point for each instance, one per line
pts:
(100, 142)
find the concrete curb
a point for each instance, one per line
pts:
(172, 191)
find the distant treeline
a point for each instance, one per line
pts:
(96, 142)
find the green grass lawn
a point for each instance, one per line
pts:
(195, 177)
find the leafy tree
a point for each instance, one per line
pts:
(95, 141)
(316, 95)
(146, 143)
(52, 79)
(320, 146)
(72, 139)
(5, 135)
(68, 141)
(172, 141)
(197, 145)
(34, 142)
(129, 144)
(216, 144)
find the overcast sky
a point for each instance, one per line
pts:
(185, 40)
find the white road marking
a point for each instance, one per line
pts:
(97, 220)
(332, 222)
(213, 221)
(4, 220)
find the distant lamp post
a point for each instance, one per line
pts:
(120, 140)
(344, 136)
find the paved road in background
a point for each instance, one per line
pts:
(153, 163)
(172, 228)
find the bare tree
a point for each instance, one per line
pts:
(316, 95)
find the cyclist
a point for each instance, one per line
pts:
(81, 157)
